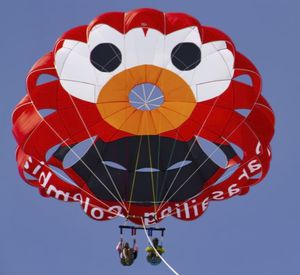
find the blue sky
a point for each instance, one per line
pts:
(254, 234)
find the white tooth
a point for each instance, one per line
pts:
(77, 152)
(51, 151)
(147, 169)
(213, 151)
(114, 165)
(227, 173)
(179, 164)
(62, 175)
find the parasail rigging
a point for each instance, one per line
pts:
(123, 126)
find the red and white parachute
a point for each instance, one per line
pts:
(122, 126)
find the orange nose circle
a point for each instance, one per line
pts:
(146, 100)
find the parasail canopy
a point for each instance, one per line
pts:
(137, 107)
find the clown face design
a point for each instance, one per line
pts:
(143, 92)
(145, 82)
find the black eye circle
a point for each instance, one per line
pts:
(186, 56)
(106, 57)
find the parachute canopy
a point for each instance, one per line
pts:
(133, 112)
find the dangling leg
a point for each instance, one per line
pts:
(135, 249)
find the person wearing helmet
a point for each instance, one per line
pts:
(152, 256)
(126, 253)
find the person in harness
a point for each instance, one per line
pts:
(152, 256)
(126, 253)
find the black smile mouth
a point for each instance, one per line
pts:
(145, 169)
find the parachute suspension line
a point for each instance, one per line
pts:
(141, 137)
(177, 134)
(168, 165)
(160, 256)
(205, 162)
(98, 153)
(158, 167)
(181, 210)
(194, 73)
(147, 97)
(208, 157)
(79, 159)
(134, 175)
(160, 121)
(152, 178)
(159, 76)
(91, 204)
(186, 181)
(189, 207)
(95, 72)
(170, 159)
(190, 149)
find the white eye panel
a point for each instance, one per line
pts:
(105, 34)
(219, 45)
(60, 59)
(214, 67)
(208, 78)
(74, 66)
(229, 60)
(70, 44)
(214, 74)
(75, 70)
(212, 47)
(209, 90)
(216, 64)
(77, 66)
(80, 90)
(188, 35)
